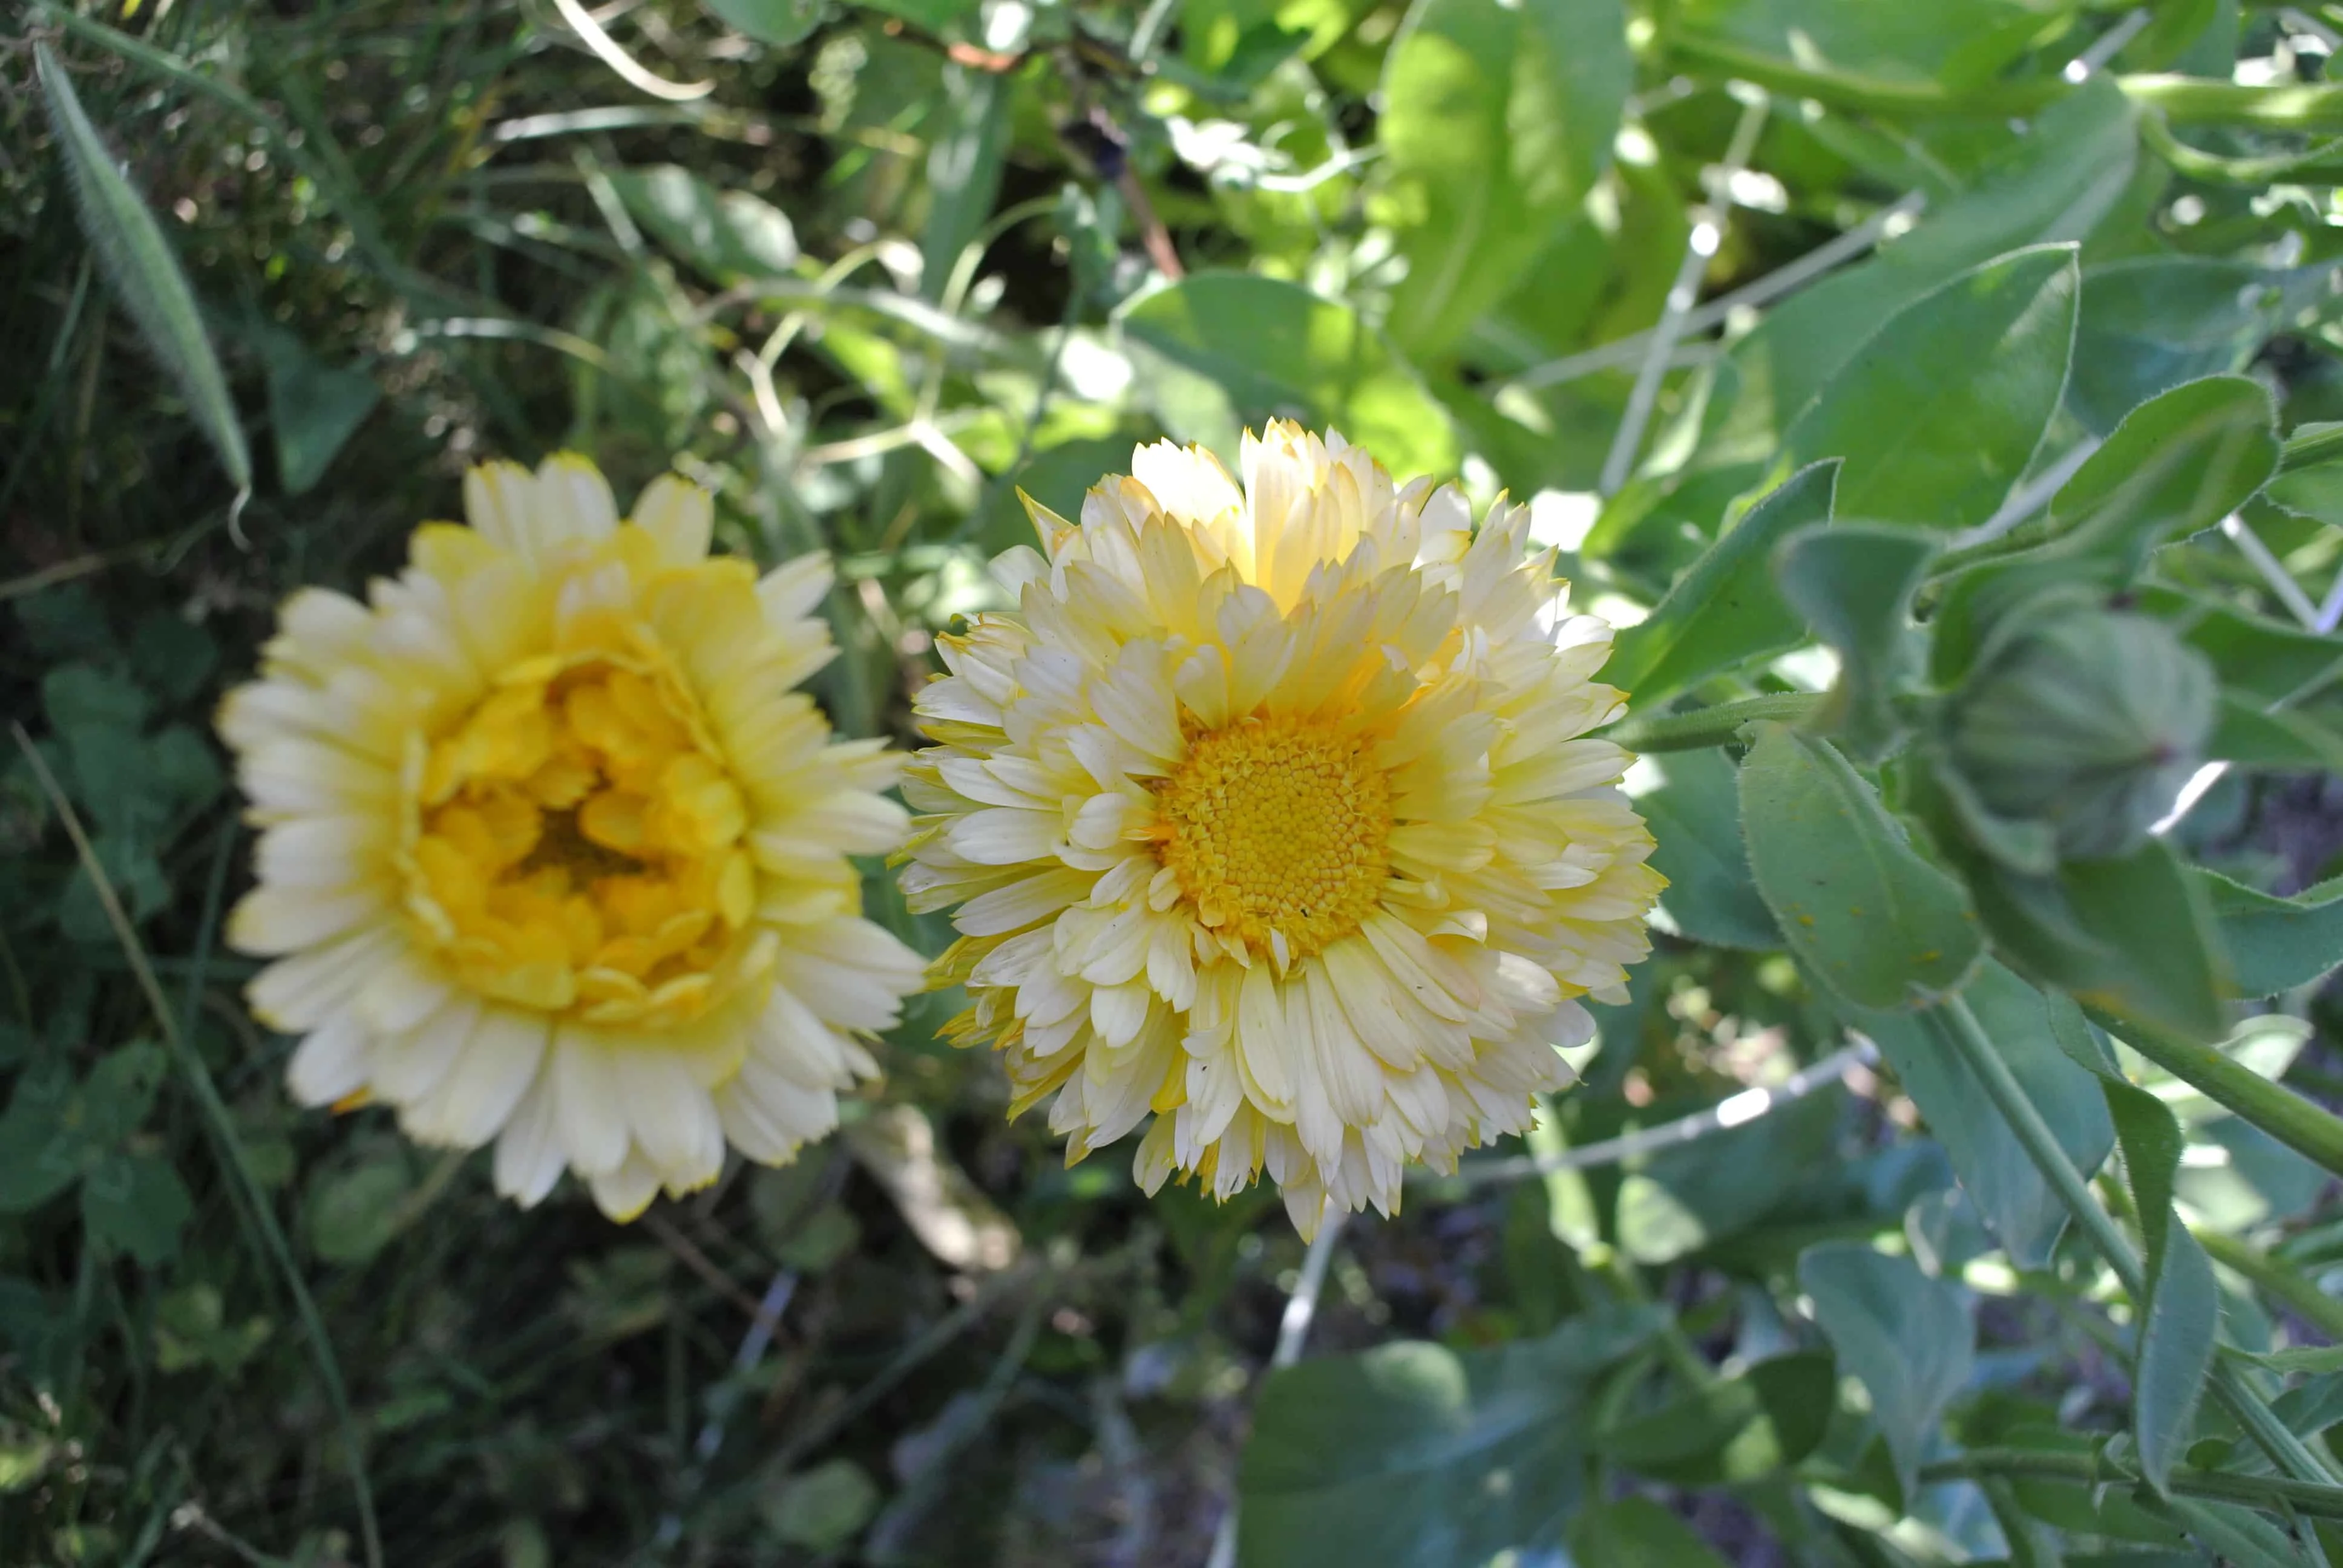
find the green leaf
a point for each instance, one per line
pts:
(2273, 660)
(2152, 322)
(145, 274)
(314, 410)
(2165, 962)
(928, 15)
(2277, 944)
(2026, 1216)
(1880, 927)
(2176, 464)
(2054, 183)
(2132, 935)
(824, 1508)
(1735, 1430)
(1224, 350)
(353, 1213)
(1938, 413)
(120, 1090)
(1496, 118)
(2251, 737)
(1694, 814)
(780, 23)
(2174, 1351)
(1724, 611)
(1416, 1455)
(730, 235)
(1855, 586)
(42, 1149)
(1906, 1337)
(1637, 1533)
(138, 1203)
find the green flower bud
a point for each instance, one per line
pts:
(2086, 724)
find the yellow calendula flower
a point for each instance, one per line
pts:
(1271, 813)
(551, 852)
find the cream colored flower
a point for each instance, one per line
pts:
(553, 855)
(1270, 813)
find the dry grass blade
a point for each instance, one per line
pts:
(146, 276)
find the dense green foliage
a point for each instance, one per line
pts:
(1952, 395)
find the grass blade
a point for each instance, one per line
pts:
(146, 276)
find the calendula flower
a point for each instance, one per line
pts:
(1272, 813)
(551, 852)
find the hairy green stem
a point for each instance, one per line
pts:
(2301, 1126)
(1718, 726)
(2275, 1493)
(1961, 1028)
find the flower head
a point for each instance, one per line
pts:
(1270, 813)
(552, 854)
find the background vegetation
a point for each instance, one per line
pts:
(863, 269)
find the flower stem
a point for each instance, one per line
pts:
(1967, 1037)
(2272, 1493)
(2305, 1300)
(2287, 1116)
(1717, 726)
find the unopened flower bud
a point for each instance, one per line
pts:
(2087, 724)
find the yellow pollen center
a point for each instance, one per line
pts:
(577, 846)
(1277, 827)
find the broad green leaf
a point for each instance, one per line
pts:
(1694, 814)
(1853, 585)
(1496, 118)
(1939, 412)
(2255, 737)
(729, 235)
(2055, 182)
(1724, 611)
(2024, 1215)
(2174, 1350)
(1225, 350)
(2165, 961)
(2271, 659)
(778, 22)
(2177, 463)
(1735, 1430)
(41, 1151)
(353, 1213)
(1416, 1455)
(934, 16)
(1637, 1533)
(2149, 323)
(120, 1090)
(1906, 1337)
(145, 274)
(2277, 944)
(821, 1509)
(1956, 41)
(314, 408)
(1879, 925)
(1697, 1195)
(138, 1203)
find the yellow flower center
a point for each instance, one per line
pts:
(577, 844)
(1278, 827)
